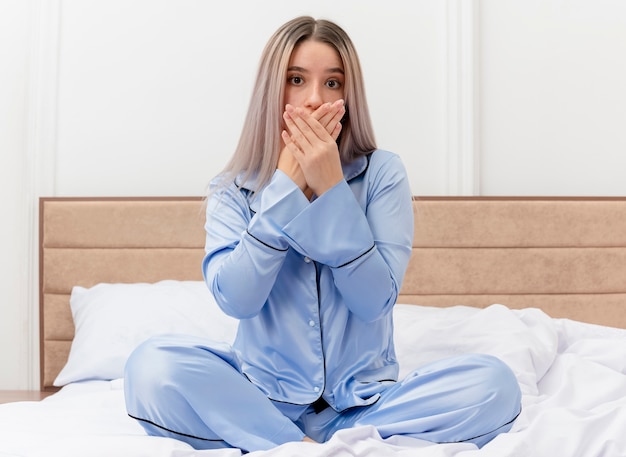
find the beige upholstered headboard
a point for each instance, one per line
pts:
(85, 241)
(566, 256)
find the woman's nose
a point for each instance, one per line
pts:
(314, 98)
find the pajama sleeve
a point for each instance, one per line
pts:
(367, 244)
(245, 250)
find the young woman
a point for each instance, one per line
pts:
(308, 235)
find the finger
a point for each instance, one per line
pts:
(291, 145)
(335, 133)
(329, 114)
(336, 124)
(324, 114)
(339, 113)
(296, 134)
(309, 127)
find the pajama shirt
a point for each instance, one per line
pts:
(313, 284)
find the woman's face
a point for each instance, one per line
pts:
(315, 76)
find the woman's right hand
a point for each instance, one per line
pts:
(288, 164)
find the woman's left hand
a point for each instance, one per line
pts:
(314, 148)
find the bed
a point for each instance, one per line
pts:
(538, 282)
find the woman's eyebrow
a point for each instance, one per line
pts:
(304, 70)
(335, 70)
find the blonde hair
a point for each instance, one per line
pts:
(256, 155)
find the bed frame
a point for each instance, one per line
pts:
(566, 256)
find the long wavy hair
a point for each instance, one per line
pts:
(256, 155)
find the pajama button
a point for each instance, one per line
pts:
(307, 260)
(316, 389)
(311, 323)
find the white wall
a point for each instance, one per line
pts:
(16, 259)
(553, 97)
(153, 91)
(111, 97)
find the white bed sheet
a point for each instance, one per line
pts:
(573, 379)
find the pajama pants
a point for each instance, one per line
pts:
(192, 389)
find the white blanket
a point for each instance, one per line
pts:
(573, 379)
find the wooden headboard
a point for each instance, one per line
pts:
(566, 256)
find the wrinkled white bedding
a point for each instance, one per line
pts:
(573, 379)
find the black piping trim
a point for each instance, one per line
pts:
(173, 431)
(357, 258)
(279, 401)
(361, 406)
(478, 436)
(265, 244)
(321, 332)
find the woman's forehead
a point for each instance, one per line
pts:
(310, 54)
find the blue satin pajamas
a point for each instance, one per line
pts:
(192, 390)
(313, 285)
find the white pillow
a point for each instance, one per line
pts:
(111, 320)
(526, 340)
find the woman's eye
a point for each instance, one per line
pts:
(295, 80)
(333, 84)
